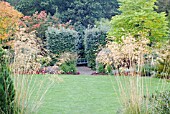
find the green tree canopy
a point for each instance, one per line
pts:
(164, 6)
(138, 18)
(87, 12)
(29, 7)
(79, 11)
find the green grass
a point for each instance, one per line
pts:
(87, 95)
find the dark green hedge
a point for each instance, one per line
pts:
(94, 40)
(61, 40)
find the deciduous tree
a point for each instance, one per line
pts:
(139, 19)
(9, 18)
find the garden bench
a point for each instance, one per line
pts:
(82, 61)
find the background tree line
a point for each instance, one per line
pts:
(79, 11)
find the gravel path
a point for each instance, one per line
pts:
(85, 70)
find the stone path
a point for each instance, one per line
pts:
(85, 70)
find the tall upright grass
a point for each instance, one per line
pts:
(134, 93)
(30, 89)
(136, 90)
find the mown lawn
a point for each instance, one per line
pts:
(87, 95)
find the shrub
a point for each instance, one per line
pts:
(45, 61)
(104, 69)
(28, 51)
(61, 40)
(95, 39)
(148, 70)
(67, 63)
(7, 91)
(125, 55)
(160, 102)
(100, 68)
(163, 61)
(108, 69)
(65, 68)
(68, 67)
(33, 22)
(163, 69)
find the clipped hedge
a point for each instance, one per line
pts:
(94, 40)
(61, 40)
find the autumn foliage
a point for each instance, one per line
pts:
(33, 22)
(40, 21)
(8, 19)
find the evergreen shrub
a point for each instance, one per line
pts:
(61, 40)
(95, 39)
(7, 91)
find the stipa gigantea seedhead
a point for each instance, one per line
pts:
(30, 89)
(134, 92)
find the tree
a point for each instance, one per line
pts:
(139, 19)
(8, 20)
(164, 6)
(33, 6)
(83, 11)
(87, 12)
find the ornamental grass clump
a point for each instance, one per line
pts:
(137, 96)
(30, 88)
(30, 91)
